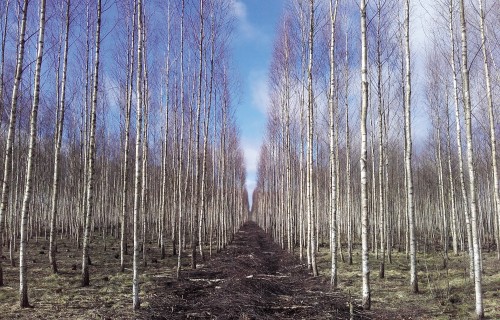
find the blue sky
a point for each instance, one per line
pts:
(252, 50)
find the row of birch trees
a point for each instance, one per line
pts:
(117, 122)
(422, 126)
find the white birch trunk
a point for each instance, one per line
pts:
(181, 141)
(126, 147)
(381, 206)
(205, 142)
(408, 155)
(310, 131)
(333, 177)
(57, 148)
(366, 295)
(348, 155)
(137, 170)
(491, 115)
(2, 60)
(89, 201)
(23, 268)
(452, 183)
(144, 173)
(165, 146)
(197, 176)
(441, 191)
(470, 164)
(465, 201)
(12, 126)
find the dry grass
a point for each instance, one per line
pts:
(445, 293)
(60, 296)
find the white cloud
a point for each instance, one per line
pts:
(251, 151)
(239, 10)
(259, 90)
(245, 28)
(250, 185)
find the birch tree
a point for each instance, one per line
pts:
(12, 125)
(491, 115)
(310, 138)
(465, 200)
(470, 164)
(89, 202)
(408, 155)
(126, 147)
(194, 233)
(205, 137)
(181, 142)
(366, 294)
(164, 185)
(348, 151)
(2, 63)
(28, 189)
(137, 171)
(57, 145)
(333, 173)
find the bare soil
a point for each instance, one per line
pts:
(252, 279)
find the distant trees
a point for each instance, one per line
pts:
(485, 46)
(97, 94)
(67, 146)
(409, 197)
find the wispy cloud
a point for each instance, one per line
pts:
(250, 184)
(251, 150)
(259, 90)
(244, 26)
(239, 10)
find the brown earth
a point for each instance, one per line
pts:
(252, 279)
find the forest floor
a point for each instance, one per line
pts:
(445, 290)
(253, 278)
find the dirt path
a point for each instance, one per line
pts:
(252, 279)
